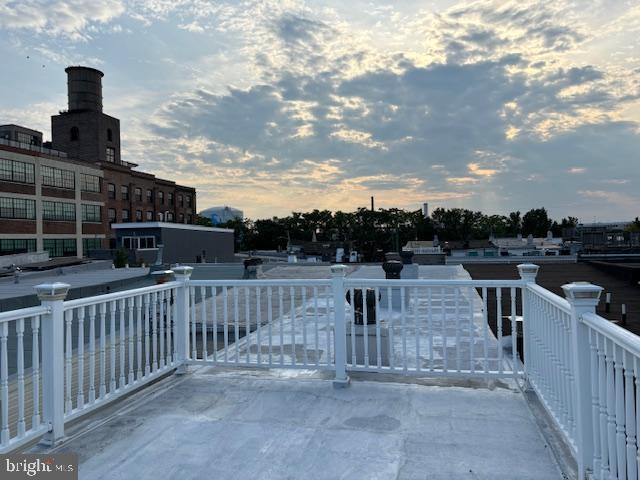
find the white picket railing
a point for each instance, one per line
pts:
(62, 359)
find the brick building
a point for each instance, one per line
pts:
(64, 198)
(47, 201)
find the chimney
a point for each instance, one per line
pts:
(84, 89)
(425, 210)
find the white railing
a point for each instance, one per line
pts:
(20, 379)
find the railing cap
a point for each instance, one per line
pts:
(528, 271)
(338, 270)
(182, 270)
(52, 291)
(583, 292)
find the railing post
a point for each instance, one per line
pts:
(583, 298)
(52, 295)
(528, 273)
(338, 274)
(182, 274)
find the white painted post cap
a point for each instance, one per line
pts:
(52, 291)
(582, 292)
(528, 271)
(182, 270)
(338, 270)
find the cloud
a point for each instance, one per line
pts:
(69, 18)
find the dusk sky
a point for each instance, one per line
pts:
(274, 106)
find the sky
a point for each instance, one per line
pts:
(279, 106)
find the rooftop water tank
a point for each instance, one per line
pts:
(84, 88)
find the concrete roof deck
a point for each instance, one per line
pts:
(239, 424)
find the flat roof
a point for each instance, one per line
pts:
(179, 226)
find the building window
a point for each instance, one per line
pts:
(19, 208)
(59, 211)
(169, 217)
(56, 177)
(138, 215)
(60, 247)
(91, 213)
(189, 218)
(149, 196)
(74, 134)
(169, 198)
(91, 244)
(124, 190)
(90, 183)
(181, 218)
(134, 243)
(180, 201)
(109, 135)
(188, 200)
(125, 215)
(22, 137)
(161, 197)
(112, 215)
(14, 171)
(111, 155)
(138, 194)
(111, 188)
(14, 246)
(149, 216)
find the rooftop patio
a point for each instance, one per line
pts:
(431, 391)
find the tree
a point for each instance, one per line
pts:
(204, 221)
(514, 223)
(536, 222)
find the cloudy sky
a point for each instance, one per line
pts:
(273, 106)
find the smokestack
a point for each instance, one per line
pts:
(84, 89)
(372, 209)
(425, 210)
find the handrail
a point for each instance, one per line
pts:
(281, 282)
(23, 313)
(383, 282)
(551, 297)
(624, 338)
(108, 297)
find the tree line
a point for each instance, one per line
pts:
(388, 229)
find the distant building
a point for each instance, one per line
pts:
(603, 235)
(223, 214)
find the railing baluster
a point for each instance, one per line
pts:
(247, 323)
(258, 327)
(636, 375)
(315, 322)
(162, 320)
(112, 346)
(630, 413)
(123, 336)
(620, 413)
(154, 330)
(68, 357)
(416, 327)
(352, 319)
(611, 412)
(514, 332)
(391, 327)
(499, 328)
(139, 319)
(236, 327)
(270, 320)
(20, 366)
(595, 403)
(602, 389)
(305, 357)
(281, 316)
(214, 311)
(102, 389)
(485, 328)
(225, 306)
(376, 293)
(35, 370)
(203, 318)
(293, 326)
(403, 314)
(329, 328)
(456, 294)
(4, 383)
(430, 327)
(80, 371)
(131, 306)
(172, 307)
(92, 353)
(472, 339)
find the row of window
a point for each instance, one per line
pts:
(148, 216)
(13, 246)
(91, 244)
(60, 247)
(15, 171)
(133, 243)
(22, 208)
(137, 192)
